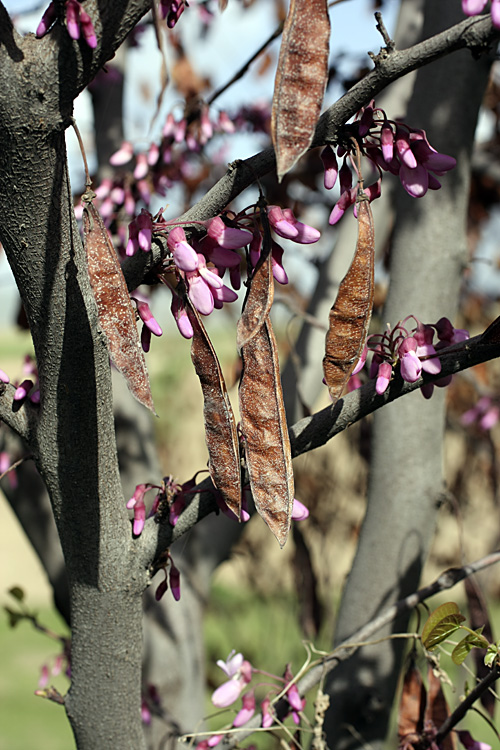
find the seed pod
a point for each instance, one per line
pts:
(301, 78)
(220, 427)
(350, 315)
(116, 314)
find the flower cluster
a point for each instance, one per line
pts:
(77, 21)
(197, 266)
(474, 7)
(390, 146)
(240, 673)
(413, 351)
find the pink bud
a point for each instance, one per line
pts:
(48, 19)
(175, 581)
(72, 18)
(123, 155)
(331, 167)
(88, 29)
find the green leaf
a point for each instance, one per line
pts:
(471, 640)
(440, 624)
(17, 593)
(491, 654)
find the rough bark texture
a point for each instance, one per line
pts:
(406, 483)
(71, 434)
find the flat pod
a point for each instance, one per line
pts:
(220, 427)
(116, 314)
(350, 315)
(265, 432)
(258, 303)
(301, 79)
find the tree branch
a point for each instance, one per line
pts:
(20, 420)
(464, 706)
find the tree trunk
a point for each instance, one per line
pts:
(429, 253)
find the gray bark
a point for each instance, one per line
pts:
(406, 481)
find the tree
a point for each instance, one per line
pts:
(71, 432)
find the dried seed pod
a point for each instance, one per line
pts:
(220, 427)
(301, 79)
(351, 313)
(258, 303)
(116, 314)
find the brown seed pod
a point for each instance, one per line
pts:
(116, 314)
(220, 427)
(301, 79)
(350, 315)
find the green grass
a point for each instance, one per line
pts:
(27, 721)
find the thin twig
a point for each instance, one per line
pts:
(241, 72)
(464, 706)
(15, 465)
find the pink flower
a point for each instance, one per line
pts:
(473, 7)
(299, 511)
(331, 167)
(23, 389)
(185, 257)
(247, 710)
(4, 378)
(240, 673)
(123, 155)
(267, 716)
(137, 503)
(48, 18)
(230, 238)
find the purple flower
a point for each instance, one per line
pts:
(23, 389)
(469, 743)
(175, 581)
(185, 257)
(414, 351)
(267, 716)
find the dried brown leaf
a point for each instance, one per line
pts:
(220, 427)
(301, 79)
(437, 710)
(265, 432)
(351, 313)
(412, 706)
(116, 314)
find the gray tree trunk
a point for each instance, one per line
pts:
(428, 257)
